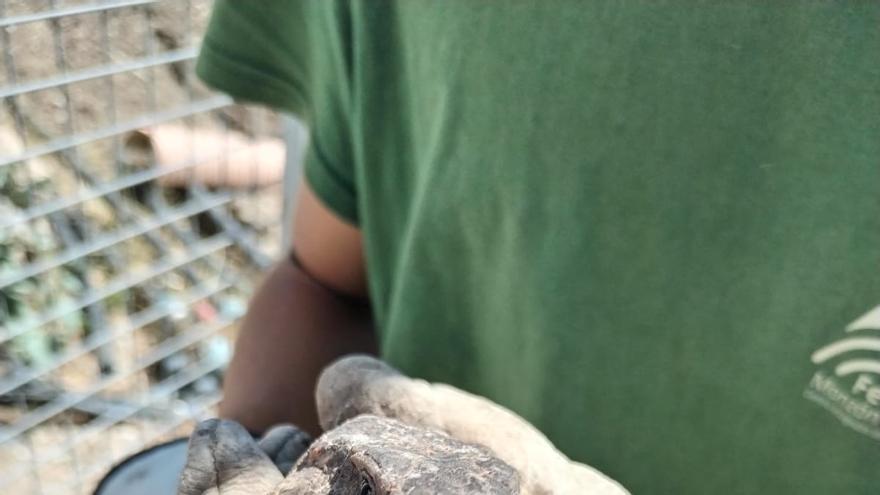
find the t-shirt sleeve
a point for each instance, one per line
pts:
(294, 56)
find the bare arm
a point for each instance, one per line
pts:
(299, 320)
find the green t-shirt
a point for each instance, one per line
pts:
(651, 228)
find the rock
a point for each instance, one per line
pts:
(373, 455)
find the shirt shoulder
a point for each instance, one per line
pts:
(266, 52)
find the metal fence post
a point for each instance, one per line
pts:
(296, 137)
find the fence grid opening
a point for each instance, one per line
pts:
(137, 210)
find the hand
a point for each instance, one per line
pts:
(224, 459)
(392, 435)
(367, 455)
(358, 385)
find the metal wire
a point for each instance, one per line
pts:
(116, 185)
(68, 399)
(120, 281)
(71, 11)
(104, 336)
(99, 72)
(156, 394)
(67, 142)
(126, 281)
(196, 410)
(112, 238)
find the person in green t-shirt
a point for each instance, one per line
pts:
(650, 228)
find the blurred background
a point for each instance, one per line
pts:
(137, 211)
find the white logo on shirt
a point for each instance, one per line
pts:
(848, 380)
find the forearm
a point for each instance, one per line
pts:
(294, 327)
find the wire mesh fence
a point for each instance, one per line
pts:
(136, 210)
